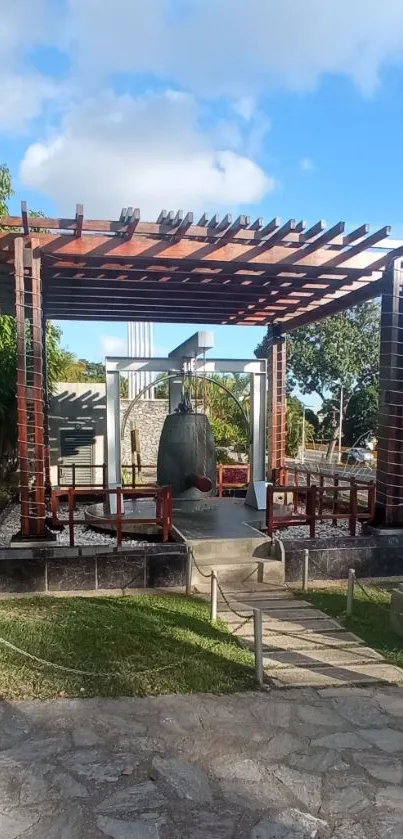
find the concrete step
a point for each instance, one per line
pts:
(212, 550)
(348, 674)
(319, 658)
(237, 570)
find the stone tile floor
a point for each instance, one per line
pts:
(290, 764)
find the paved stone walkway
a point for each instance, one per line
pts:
(294, 764)
(301, 645)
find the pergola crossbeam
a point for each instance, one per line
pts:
(222, 269)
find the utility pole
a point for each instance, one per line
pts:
(340, 422)
(303, 435)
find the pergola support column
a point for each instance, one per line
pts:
(389, 476)
(276, 407)
(22, 410)
(46, 440)
(30, 414)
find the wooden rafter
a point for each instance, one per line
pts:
(219, 269)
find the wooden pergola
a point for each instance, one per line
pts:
(181, 270)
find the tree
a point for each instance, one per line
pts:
(6, 189)
(339, 351)
(361, 416)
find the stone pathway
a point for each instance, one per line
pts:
(296, 764)
(301, 645)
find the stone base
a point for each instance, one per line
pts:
(331, 557)
(382, 530)
(20, 541)
(396, 610)
(46, 569)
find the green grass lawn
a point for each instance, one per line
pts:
(121, 641)
(370, 619)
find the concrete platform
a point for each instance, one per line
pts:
(226, 518)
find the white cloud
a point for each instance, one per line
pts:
(245, 107)
(148, 151)
(306, 164)
(112, 345)
(213, 48)
(233, 48)
(22, 98)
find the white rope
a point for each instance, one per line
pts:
(78, 672)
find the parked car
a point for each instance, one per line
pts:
(358, 455)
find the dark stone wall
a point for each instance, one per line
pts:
(39, 570)
(370, 556)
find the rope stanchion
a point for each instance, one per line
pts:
(350, 592)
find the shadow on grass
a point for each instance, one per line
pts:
(131, 646)
(370, 619)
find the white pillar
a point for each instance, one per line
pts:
(140, 345)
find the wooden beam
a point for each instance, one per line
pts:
(24, 218)
(203, 220)
(278, 235)
(225, 223)
(79, 221)
(324, 239)
(346, 301)
(183, 227)
(317, 228)
(188, 318)
(387, 259)
(162, 217)
(358, 233)
(177, 219)
(257, 224)
(216, 269)
(366, 243)
(132, 224)
(273, 225)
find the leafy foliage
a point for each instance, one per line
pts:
(339, 351)
(361, 415)
(227, 403)
(6, 189)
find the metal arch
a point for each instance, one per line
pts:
(175, 376)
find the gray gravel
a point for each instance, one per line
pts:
(82, 535)
(324, 530)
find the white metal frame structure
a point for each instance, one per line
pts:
(178, 361)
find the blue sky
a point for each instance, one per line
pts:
(284, 109)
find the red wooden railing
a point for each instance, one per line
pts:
(229, 476)
(317, 507)
(162, 518)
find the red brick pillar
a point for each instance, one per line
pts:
(276, 402)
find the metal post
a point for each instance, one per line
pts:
(350, 592)
(189, 569)
(257, 628)
(113, 436)
(258, 423)
(214, 591)
(305, 570)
